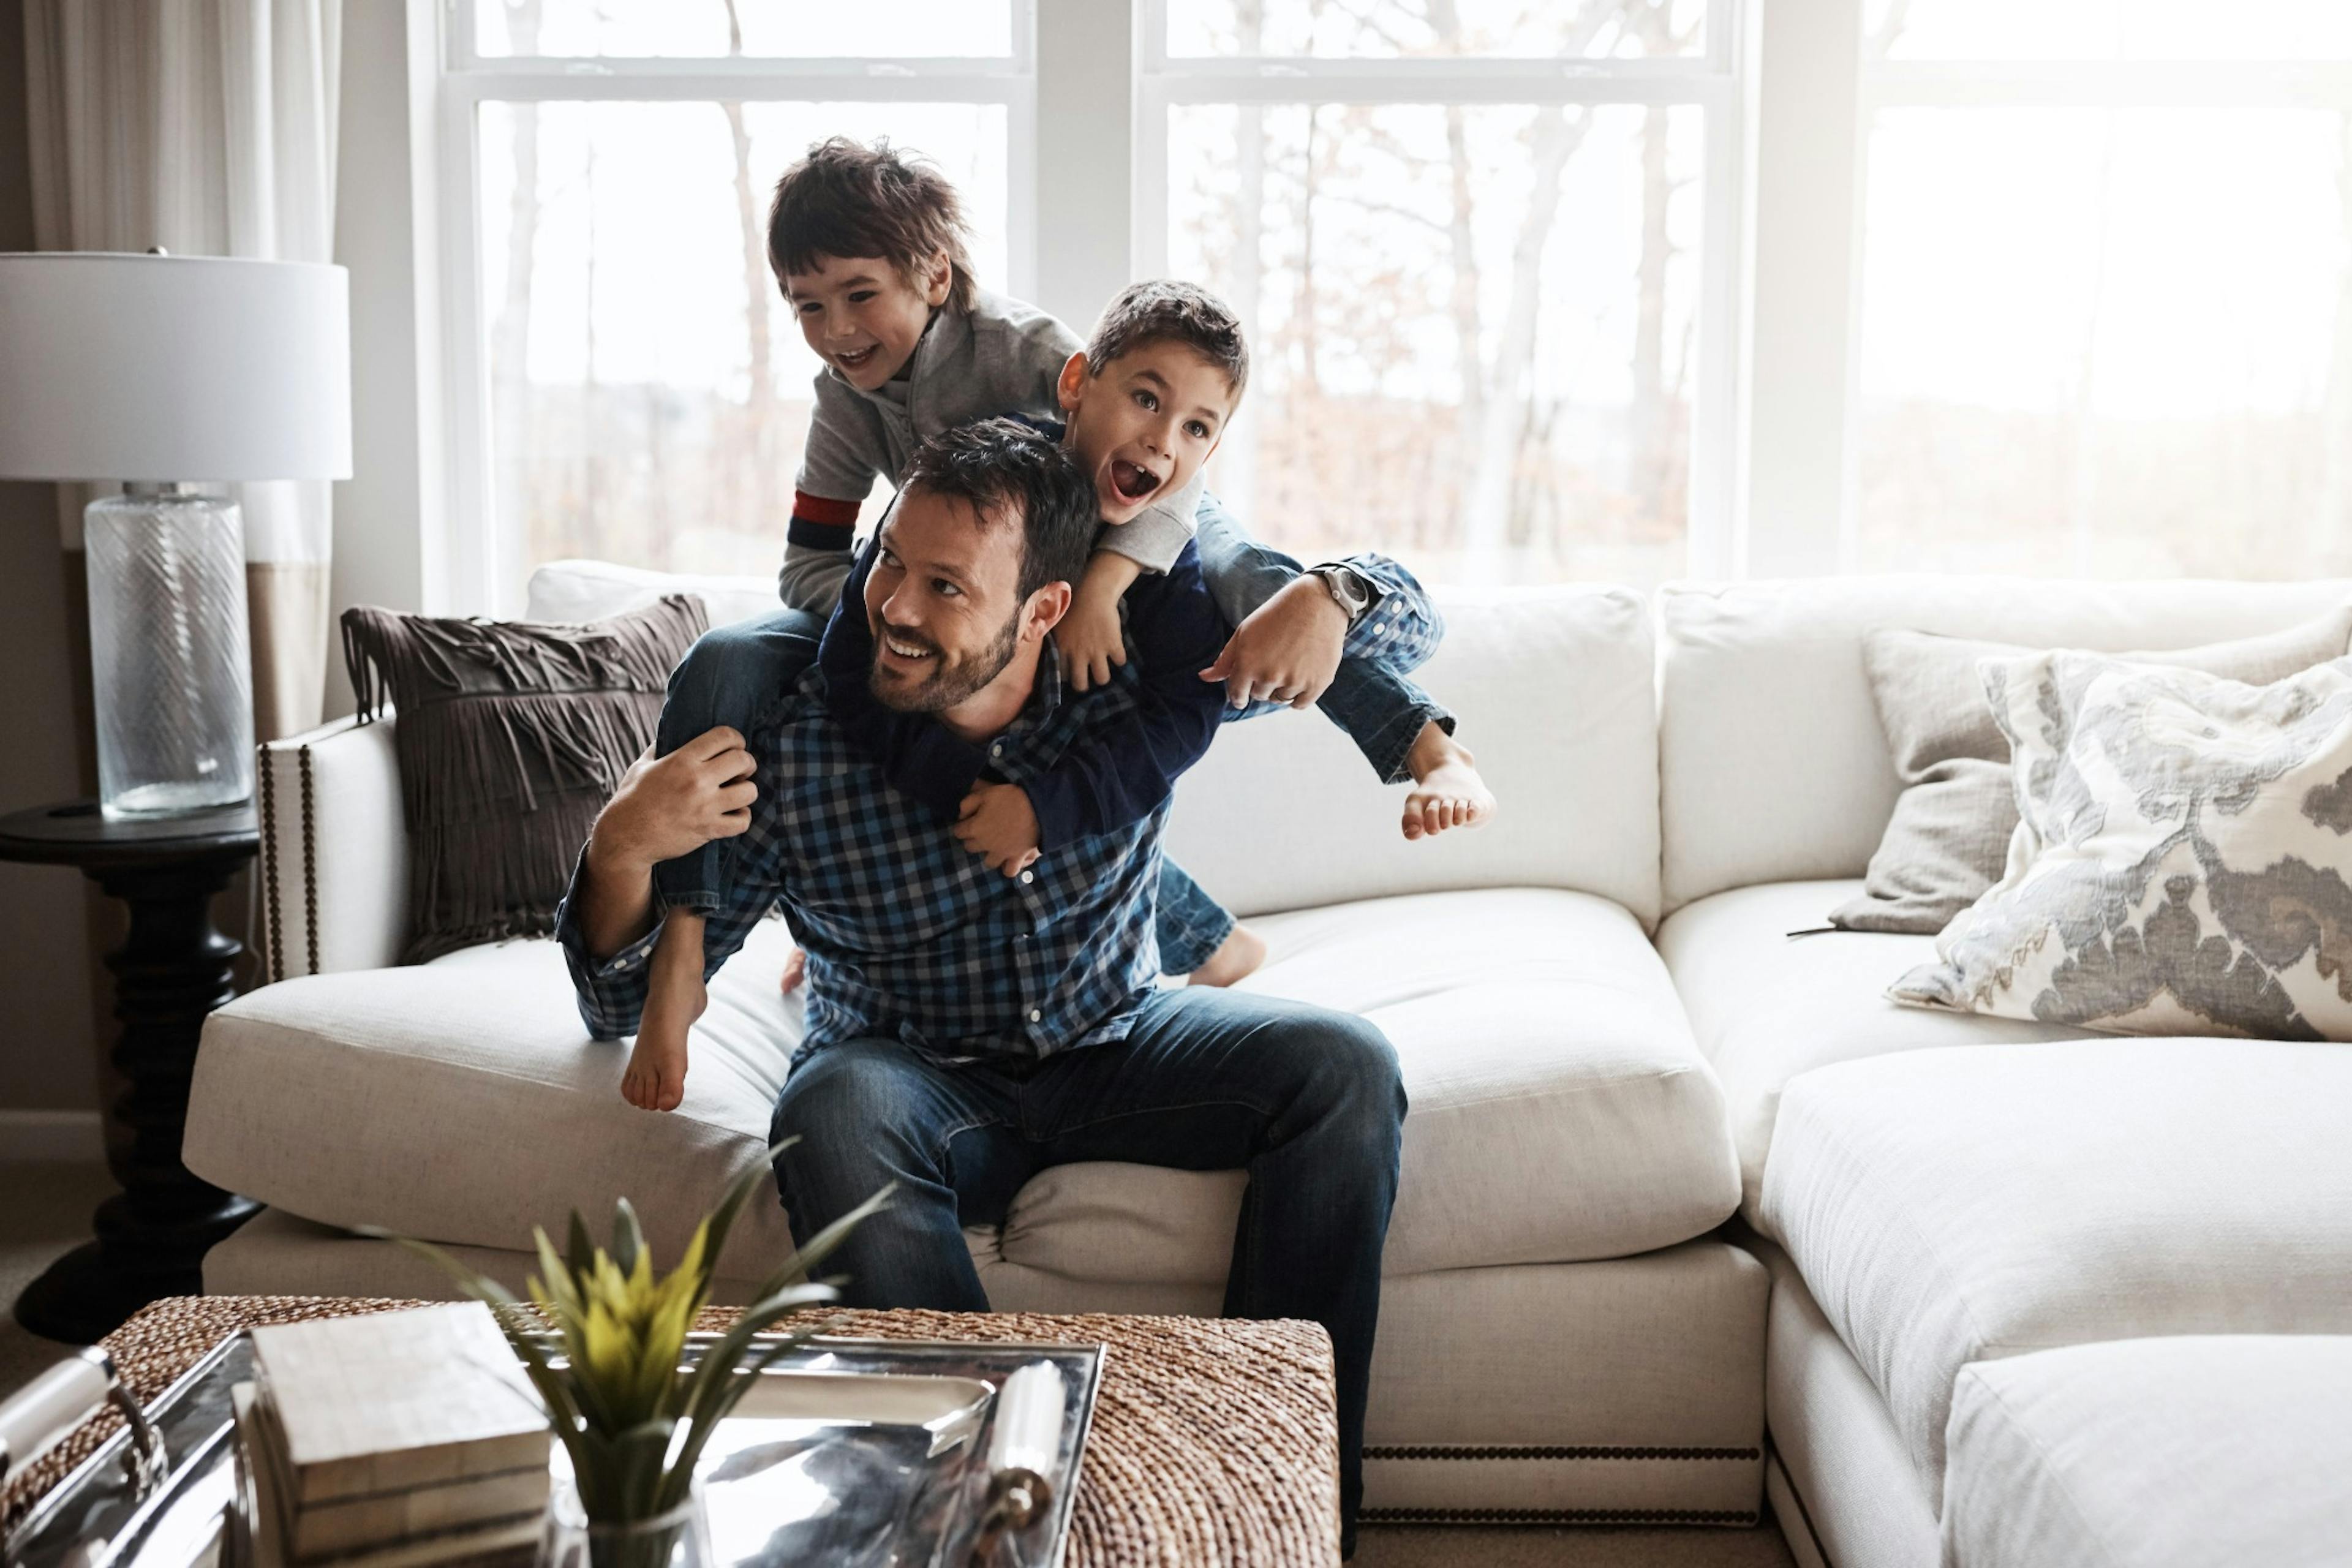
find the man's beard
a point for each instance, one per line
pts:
(950, 681)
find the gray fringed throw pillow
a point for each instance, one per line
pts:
(511, 738)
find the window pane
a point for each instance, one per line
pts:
(1393, 29)
(2109, 30)
(649, 392)
(1472, 328)
(786, 29)
(2107, 343)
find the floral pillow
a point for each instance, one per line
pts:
(2180, 856)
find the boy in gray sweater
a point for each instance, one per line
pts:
(869, 248)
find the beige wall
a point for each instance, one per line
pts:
(46, 1060)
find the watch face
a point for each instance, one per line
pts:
(1345, 589)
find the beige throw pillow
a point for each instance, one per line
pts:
(2179, 867)
(1948, 840)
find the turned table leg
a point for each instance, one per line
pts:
(170, 971)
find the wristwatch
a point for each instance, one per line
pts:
(1347, 588)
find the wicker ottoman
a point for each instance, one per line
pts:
(1214, 1442)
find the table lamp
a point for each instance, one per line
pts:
(170, 374)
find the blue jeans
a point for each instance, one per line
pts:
(1379, 710)
(1309, 1101)
(734, 675)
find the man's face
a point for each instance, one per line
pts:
(1144, 424)
(861, 315)
(942, 604)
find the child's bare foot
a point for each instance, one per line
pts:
(675, 998)
(1236, 959)
(795, 971)
(1447, 791)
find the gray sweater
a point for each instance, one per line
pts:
(1003, 357)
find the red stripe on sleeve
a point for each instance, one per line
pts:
(824, 510)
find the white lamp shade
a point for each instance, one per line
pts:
(162, 368)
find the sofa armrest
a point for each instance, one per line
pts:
(333, 877)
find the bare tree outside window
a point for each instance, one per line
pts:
(1475, 322)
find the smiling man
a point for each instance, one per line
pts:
(966, 1029)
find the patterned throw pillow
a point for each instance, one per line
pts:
(2180, 856)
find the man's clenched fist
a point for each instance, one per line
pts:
(672, 806)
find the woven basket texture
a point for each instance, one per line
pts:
(1214, 1444)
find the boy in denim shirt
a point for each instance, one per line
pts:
(868, 249)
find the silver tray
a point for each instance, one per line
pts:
(888, 1489)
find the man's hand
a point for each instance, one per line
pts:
(1089, 637)
(1287, 651)
(998, 824)
(665, 807)
(673, 806)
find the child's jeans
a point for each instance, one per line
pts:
(735, 674)
(1370, 699)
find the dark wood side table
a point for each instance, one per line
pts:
(172, 969)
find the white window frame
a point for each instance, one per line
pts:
(1715, 80)
(1086, 90)
(477, 570)
(1821, 90)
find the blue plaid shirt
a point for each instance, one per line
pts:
(909, 934)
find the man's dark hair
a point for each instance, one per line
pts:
(848, 199)
(1002, 466)
(1171, 310)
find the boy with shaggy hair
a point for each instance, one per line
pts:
(867, 246)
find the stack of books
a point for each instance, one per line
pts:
(391, 1441)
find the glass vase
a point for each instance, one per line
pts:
(171, 682)
(678, 1539)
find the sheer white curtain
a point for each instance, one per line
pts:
(207, 126)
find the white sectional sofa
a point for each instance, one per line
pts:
(1602, 1020)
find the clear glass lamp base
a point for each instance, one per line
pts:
(171, 677)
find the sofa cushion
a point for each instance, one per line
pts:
(1773, 765)
(1555, 690)
(2189, 1452)
(1559, 1109)
(1766, 1005)
(1957, 1206)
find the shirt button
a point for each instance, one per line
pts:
(1028, 876)
(1034, 1015)
(997, 749)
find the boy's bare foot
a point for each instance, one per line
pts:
(1447, 791)
(675, 998)
(795, 971)
(1236, 959)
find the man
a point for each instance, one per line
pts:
(966, 1029)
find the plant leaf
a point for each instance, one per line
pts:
(580, 1252)
(822, 1245)
(628, 1235)
(722, 1218)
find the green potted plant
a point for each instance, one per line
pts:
(632, 1420)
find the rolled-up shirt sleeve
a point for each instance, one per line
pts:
(611, 995)
(1403, 626)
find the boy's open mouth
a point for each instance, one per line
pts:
(856, 359)
(1132, 481)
